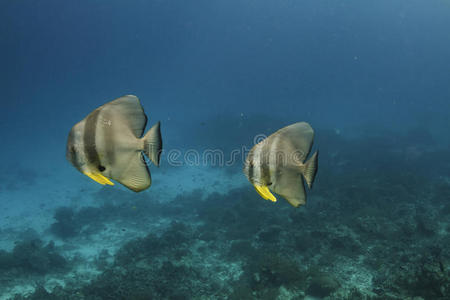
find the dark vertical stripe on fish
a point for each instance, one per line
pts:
(109, 147)
(265, 160)
(265, 174)
(251, 169)
(90, 129)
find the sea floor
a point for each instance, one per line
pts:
(204, 233)
(28, 212)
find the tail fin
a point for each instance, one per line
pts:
(153, 143)
(310, 169)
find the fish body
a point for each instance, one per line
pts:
(278, 164)
(109, 144)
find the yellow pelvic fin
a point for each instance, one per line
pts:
(97, 177)
(264, 192)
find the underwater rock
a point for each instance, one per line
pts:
(176, 233)
(65, 225)
(241, 291)
(28, 235)
(346, 246)
(307, 243)
(40, 293)
(150, 268)
(272, 270)
(6, 261)
(322, 285)
(241, 249)
(270, 235)
(33, 257)
(426, 222)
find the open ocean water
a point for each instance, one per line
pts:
(371, 77)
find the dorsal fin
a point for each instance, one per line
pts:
(298, 138)
(131, 112)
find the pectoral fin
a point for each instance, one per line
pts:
(97, 177)
(264, 192)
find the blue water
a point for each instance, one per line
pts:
(371, 77)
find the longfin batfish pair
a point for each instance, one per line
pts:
(110, 142)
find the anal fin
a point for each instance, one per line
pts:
(134, 174)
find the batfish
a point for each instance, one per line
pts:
(278, 164)
(110, 142)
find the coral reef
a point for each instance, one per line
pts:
(32, 257)
(375, 227)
